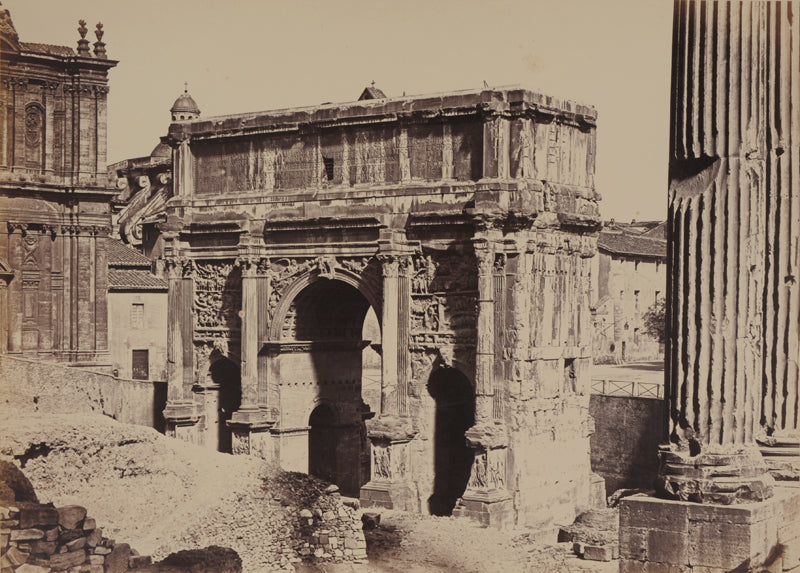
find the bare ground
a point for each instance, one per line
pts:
(163, 495)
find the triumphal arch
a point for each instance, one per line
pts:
(463, 223)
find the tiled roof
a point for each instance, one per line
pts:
(133, 279)
(122, 255)
(371, 92)
(657, 232)
(47, 49)
(619, 243)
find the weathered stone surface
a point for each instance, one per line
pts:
(28, 568)
(70, 516)
(61, 561)
(15, 557)
(731, 234)
(44, 547)
(26, 534)
(117, 560)
(37, 515)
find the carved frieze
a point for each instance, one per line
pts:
(488, 470)
(424, 273)
(381, 461)
(218, 295)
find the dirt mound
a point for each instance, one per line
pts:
(164, 495)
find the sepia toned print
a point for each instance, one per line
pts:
(401, 332)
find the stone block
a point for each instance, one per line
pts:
(96, 559)
(598, 552)
(26, 534)
(37, 515)
(28, 568)
(61, 561)
(76, 544)
(633, 543)
(70, 516)
(44, 547)
(89, 524)
(68, 535)
(117, 560)
(650, 513)
(94, 538)
(725, 545)
(15, 557)
(51, 534)
(668, 547)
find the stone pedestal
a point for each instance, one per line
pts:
(486, 498)
(250, 438)
(679, 536)
(181, 420)
(390, 484)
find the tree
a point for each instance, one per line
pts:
(655, 320)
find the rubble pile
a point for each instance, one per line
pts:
(39, 538)
(164, 496)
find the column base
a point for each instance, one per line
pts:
(721, 477)
(781, 453)
(679, 536)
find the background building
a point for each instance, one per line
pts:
(137, 315)
(629, 276)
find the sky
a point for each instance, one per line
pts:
(247, 55)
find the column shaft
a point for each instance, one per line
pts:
(249, 343)
(484, 359)
(389, 334)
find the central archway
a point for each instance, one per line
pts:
(321, 367)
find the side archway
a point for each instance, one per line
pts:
(455, 414)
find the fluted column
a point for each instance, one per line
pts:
(733, 246)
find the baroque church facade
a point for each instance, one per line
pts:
(54, 198)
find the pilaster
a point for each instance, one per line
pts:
(391, 432)
(179, 413)
(249, 424)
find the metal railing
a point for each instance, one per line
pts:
(634, 388)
